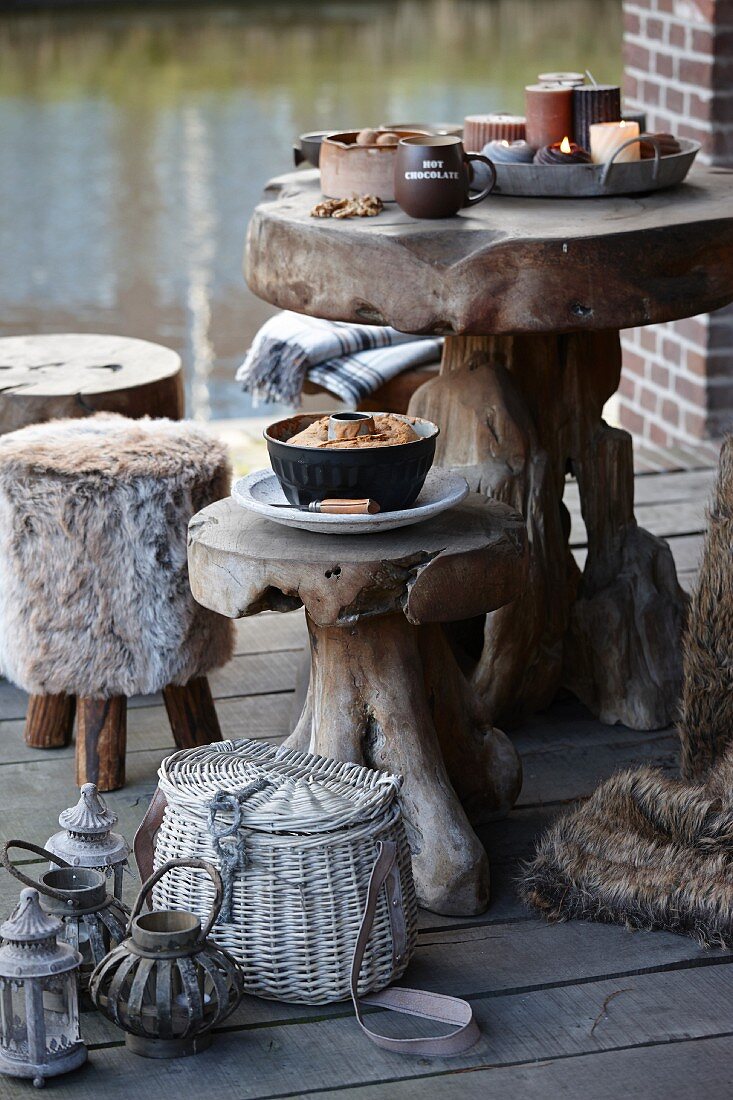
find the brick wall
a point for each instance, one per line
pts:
(677, 384)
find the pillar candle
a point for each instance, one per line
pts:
(549, 110)
(606, 137)
(594, 103)
(478, 129)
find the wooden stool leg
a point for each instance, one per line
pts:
(101, 738)
(49, 721)
(367, 704)
(191, 713)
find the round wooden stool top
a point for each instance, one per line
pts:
(469, 560)
(76, 374)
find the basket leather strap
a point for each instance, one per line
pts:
(411, 1002)
(144, 843)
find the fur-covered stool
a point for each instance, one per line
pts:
(95, 603)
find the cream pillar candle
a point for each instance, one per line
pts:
(607, 137)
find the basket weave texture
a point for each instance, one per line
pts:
(305, 834)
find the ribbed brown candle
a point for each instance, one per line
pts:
(594, 103)
(549, 110)
(478, 129)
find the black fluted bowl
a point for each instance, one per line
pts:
(393, 476)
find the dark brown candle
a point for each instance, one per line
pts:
(594, 103)
(549, 111)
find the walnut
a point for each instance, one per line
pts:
(358, 206)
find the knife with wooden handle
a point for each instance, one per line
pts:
(336, 507)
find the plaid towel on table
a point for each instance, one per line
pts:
(351, 361)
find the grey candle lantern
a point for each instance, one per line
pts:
(86, 838)
(92, 921)
(39, 1010)
(167, 985)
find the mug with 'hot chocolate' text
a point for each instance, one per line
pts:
(433, 176)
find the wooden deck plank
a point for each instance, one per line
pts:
(684, 1070)
(270, 632)
(517, 1028)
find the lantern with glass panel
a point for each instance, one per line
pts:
(39, 1009)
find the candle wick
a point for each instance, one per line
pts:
(592, 79)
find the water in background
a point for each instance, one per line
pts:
(135, 143)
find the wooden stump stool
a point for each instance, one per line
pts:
(76, 374)
(385, 688)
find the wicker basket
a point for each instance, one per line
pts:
(295, 838)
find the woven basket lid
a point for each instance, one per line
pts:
(303, 794)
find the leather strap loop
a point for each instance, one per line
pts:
(412, 1002)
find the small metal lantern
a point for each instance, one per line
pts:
(93, 922)
(86, 838)
(39, 1010)
(166, 986)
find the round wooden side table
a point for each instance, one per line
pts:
(70, 374)
(531, 295)
(385, 687)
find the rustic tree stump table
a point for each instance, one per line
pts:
(531, 294)
(385, 688)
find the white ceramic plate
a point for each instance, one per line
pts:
(259, 491)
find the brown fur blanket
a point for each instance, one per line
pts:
(645, 850)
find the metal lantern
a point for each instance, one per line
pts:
(166, 986)
(39, 1010)
(86, 838)
(93, 922)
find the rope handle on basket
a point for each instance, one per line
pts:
(49, 891)
(411, 1002)
(170, 865)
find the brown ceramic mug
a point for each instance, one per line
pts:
(433, 175)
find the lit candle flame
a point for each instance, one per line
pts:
(565, 146)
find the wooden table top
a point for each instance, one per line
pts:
(507, 265)
(461, 563)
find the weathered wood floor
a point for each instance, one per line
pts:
(574, 1010)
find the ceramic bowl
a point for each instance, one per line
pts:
(349, 169)
(393, 476)
(308, 148)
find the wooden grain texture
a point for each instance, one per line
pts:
(469, 559)
(380, 694)
(516, 413)
(101, 740)
(520, 1028)
(509, 265)
(684, 1069)
(192, 713)
(77, 374)
(49, 721)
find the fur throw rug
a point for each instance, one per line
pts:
(645, 850)
(94, 592)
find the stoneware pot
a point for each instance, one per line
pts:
(433, 176)
(349, 169)
(393, 476)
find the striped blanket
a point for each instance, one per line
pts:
(350, 361)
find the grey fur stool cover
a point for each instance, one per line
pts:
(94, 592)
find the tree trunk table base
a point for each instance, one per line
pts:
(516, 414)
(385, 689)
